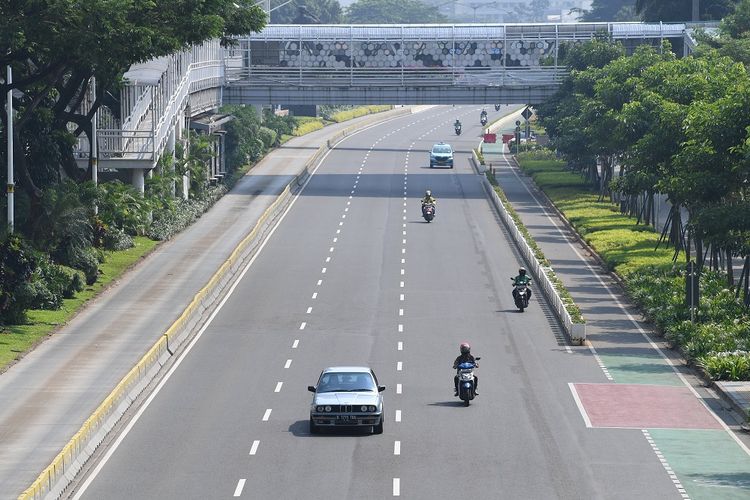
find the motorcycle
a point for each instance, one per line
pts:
(483, 120)
(497, 107)
(458, 129)
(428, 211)
(521, 295)
(466, 381)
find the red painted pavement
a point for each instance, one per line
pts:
(644, 407)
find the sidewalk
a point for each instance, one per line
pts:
(613, 334)
(47, 396)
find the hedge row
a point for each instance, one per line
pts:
(719, 340)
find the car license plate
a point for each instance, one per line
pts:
(347, 418)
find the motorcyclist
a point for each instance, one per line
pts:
(457, 123)
(465, 357)
(429, 200)
(522, 279)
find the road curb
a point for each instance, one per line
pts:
(56, 477)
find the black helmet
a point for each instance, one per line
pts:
(465, 348)
(522, 271)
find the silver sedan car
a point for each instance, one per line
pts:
(347, 396)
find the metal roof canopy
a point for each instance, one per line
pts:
(291, 32)
(147, 73)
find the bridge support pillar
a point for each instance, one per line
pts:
(259, 110)
(174, 134)
(138, 179)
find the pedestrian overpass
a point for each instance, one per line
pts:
(417, 64)
(340, 64)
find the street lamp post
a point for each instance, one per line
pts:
(11, 184)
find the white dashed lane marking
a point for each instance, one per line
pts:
(315, 295)
(399, 366)
(400, 346)
(396, 487)
(267, 415)
(278, 387)
(288, 363)
(398, 415)
(254, 447)
(398, 388)
(295, 344)
(303, 325)
(397, 447)
(241, 486)
(309, 310)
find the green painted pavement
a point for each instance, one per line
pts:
(710, 464)
(643, 369)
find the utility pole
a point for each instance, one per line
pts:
(696, 11)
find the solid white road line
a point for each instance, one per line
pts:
(302, 326)
(398, 415)
(398, 388)
(267, 415)
(278, 387)
(241, 485)
(579, 404)
(396, 487)
(254, 447)
(288, 363)
(397, 447)
(295, 343)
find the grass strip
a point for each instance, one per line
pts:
(16, 340)
(718, 341)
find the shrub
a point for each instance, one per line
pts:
(121, 206)
(17, 265)
(116, 239)
(267, 136)
(167, 223)
(305, 125)
(85, 259)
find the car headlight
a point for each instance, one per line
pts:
(363, 408)
(319, 408)
(328, 408)
(372, 408)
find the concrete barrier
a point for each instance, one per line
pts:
(575, 331)
(53, 481)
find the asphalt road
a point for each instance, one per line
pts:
(353, 275)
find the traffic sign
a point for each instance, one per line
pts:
(526, 113)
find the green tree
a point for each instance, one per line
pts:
(392, 12)
(56, 47)
(609, 10)
(682, 10)
(327, 11)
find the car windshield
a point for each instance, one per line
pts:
(441, 149)
(346, 382)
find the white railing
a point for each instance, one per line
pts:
(399, 76)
